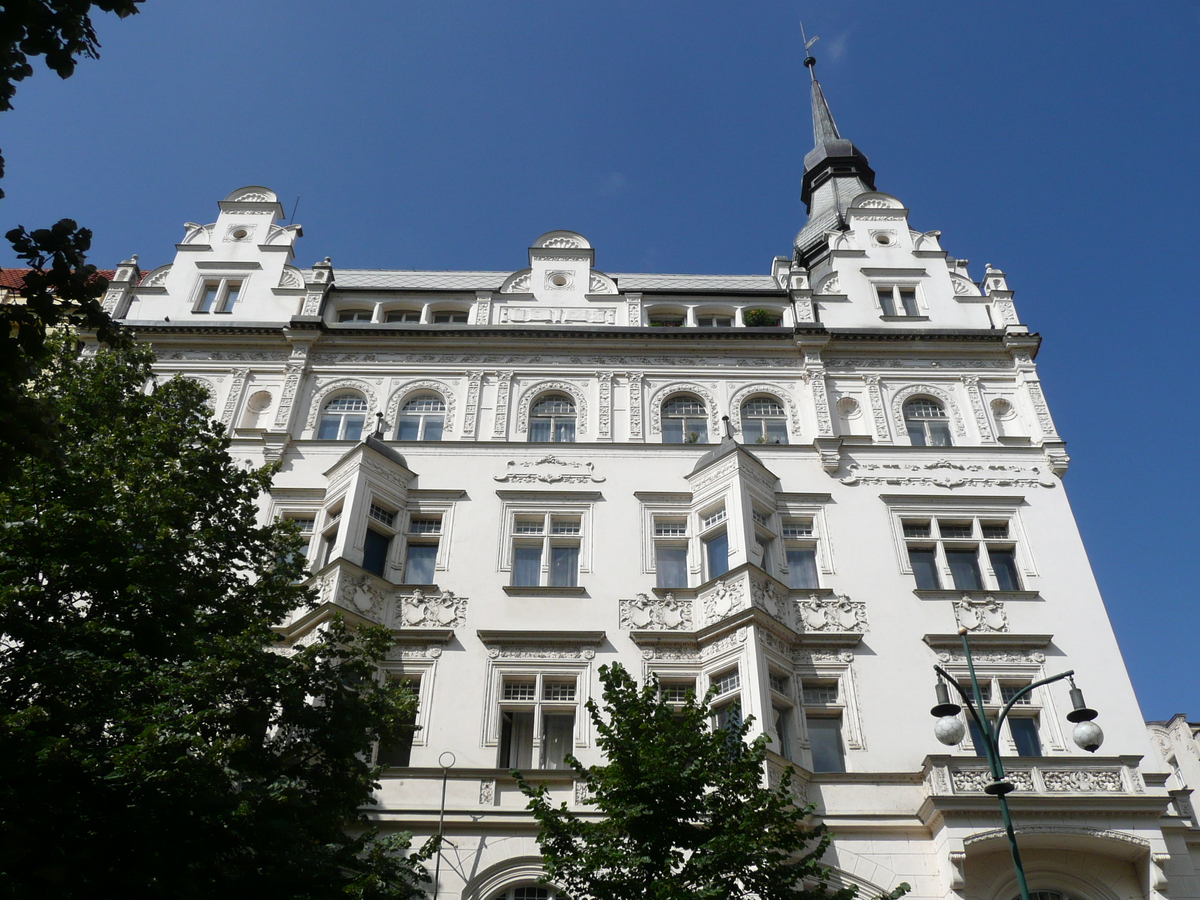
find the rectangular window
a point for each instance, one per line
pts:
(670, 563)
(1008, 691)
(716, 554)
(449, 318)
(541, 706)
(420, 563)
(802, 568)
(425, 525)
(800, 550)
(398, 750)
(375, 551)
(547, 549)
(897, 301)
(954, 546)
(726, 682)
(728, 715)
(709, 519)
(825, 739)
(1025, 735)
(676, 691)
(779, 683)
(1004, 564)
(924, 566)
(527, 566)
(218, 296)
(783, 729)
(564, 566)
(964, 569)
(379, 514)
(977, 742)
(822, 693)
(411, 316)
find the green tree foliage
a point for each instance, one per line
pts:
(61, 289)
(153, 743)
(685, 813)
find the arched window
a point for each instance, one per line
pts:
(552, 418)
(354, 315)
(422, 419)
(685, 421)
(764, 421)
(530, 892)
(927, 423)
(714, 320)
(343, 418)
(411, 316)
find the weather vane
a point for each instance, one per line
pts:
(809, 59)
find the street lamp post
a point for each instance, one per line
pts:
(949, 730)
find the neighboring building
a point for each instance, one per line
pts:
(527, 474)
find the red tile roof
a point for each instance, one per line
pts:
(14, 279)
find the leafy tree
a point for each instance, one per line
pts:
(153, 742)
(686, 816)
(61, 289)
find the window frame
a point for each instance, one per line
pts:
(223, 286)
(912, 422)
(799, 508)
(425, 670)
(422, 416)
(982, 547)
(782, 417)
(553, 418)
(703, 418)
(498, 670)
(342, 416)
(895, 307)
(1039, 708)
(570, 506)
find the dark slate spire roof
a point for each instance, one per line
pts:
(835, 172)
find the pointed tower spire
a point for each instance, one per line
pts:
(835, 172)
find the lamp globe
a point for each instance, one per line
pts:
(950, 730)
(1088, 736)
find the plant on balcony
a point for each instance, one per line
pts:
(757, 318)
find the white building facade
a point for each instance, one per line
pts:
(794, 487)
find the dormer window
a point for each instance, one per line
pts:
(450, 317)
(218, 296)
(897, 300)
(410, 316)
(708, 320)
(354, 315)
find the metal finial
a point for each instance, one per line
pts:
(809, 60)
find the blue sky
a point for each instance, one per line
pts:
(1057, 141)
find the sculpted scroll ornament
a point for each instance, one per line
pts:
(474, 380)
(549, 470)
(1083, 780)
(836, 613)
(234, 395)
(503, 386)
(542, 387)
(667, 614)
(635, 405)
(971, 383)
(605, 417)
(723, 600)
(973, 475)
(878, 413)
(421, 610)
(403, 392)
(981, 614)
